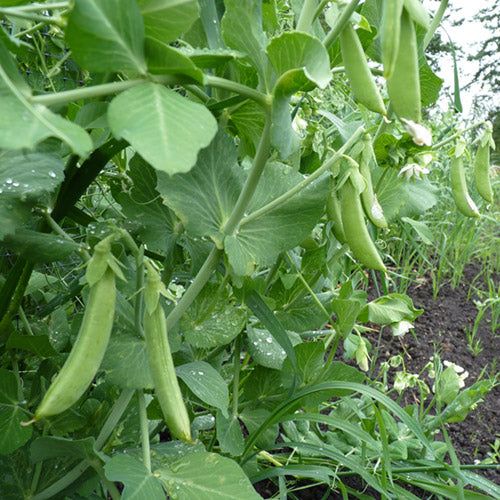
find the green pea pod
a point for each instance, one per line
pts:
(418, 13)
(355, 230)
(88, 351)
(161, 363)
(357, 70)
(333, 213)
(372, 208)
(390, 33)
(459, 190)
(482, 172)
(403, 86)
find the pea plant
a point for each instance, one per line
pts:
(190, 233)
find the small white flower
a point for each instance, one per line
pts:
(413, 170)
(299, 124)
(399, 329)
(420, 134)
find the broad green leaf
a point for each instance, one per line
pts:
(107, 35)
(300, 61)
(166, 20)
(23, 124)
(422, 196)
(252, 245)
(421, 228)
(347, 311)
(126, 363)
(264, 349)
(248, 119)
(430, 84)
(166, 129)
(263, 387)
(390, 308)
(206, 476)
(92, 115)
(47, 447)
(212, 319)
(229, 434)
(164, 60)
(140, 484)
(206, 383)
(167, 452)
(310, 361)
(204, 197)
(12, 434)
(142, 204)
(26, 181)
(242, 30)
(40, 247)
(8, 387)
(36, 344)
(254, 419)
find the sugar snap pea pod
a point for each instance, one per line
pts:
(160, 360)
(482, 172)
(355, 230)
(88, 351)
(459, 190)
(333, 212)
(390, 33)
(358, 72)
(372, 208)
(418, 12)
(403, 86)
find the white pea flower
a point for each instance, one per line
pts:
(399, 329)
(299, 124)
(419, 133)
(413, 171)
(460, 371)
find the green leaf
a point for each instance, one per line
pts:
(26, 181)
(23, 124)
(36, 344)
(421, 228)
(390, 308)
(210, 58)
(44, 448)
(347, 311)
(422, 196)
(8, 387)
(107, 35)
(166, 129)
(140, 484)
(430, 84)
(204, 198)
(206, 383)
(251, 245)
(242, 30)
(264, 349)
(40, 247)
(13, 435)
(254, 419)
(229, 434)
(166, 60)
(212, 320)
(166, 20)
(206, 476)
(126, 363)
(248, 119)
(310, 361)
(143, 205)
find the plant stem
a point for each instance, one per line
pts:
(436, 21)
(194, 289)
(222, 83)
(307, 14)
(457, 134)
(110, 486)
(317, 173)
(116, 413)
(35, 7)
(6, 11)
(143, 418)
(236, 374)
(341, 22)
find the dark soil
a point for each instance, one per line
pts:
(442, 328)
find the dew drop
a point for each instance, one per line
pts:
(16, 184)
(52, 174)
(269, 340)
(8, 181)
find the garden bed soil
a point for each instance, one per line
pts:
(442, 327)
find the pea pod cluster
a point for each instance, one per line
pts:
(160, 360)
(89, 348)
(354, 225)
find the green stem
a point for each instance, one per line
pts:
(62, 483)
(194, 289)
(17, 298)
(436, 21)
(25, 322)
(307, 14)
(114, 417)
(460, 133)
(110, 486)
(143, 418)
(222, 83)
(342, 21)
(259, 162)
(30, 17)
(236, 375)
(35, 7)
(299, 187)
